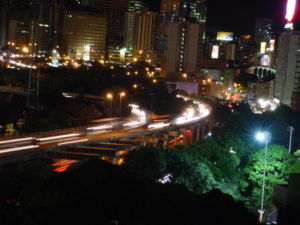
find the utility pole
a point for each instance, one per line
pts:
(290, 129)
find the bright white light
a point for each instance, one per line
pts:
(102, 127)
(132, 124)
(16, 140)
(58, 137)
(158, 125)
(165, 179)
(260, 136)
(86, 52)
(72, 142)
(263, 103)
(290, 10)
(18, 149)
(289, 26)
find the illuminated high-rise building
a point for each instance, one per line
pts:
(115, 11)
(263, 30)
(287, 81)
(25, 23)
(84, 34)
(141, 30)
(184, 10)
(182, 31)
(3, 25)
(183, 48)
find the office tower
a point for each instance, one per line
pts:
(141, 30)
(245, 51)
(182, 31)
(84, 34)
(115, 11)
(26, 23)
(3, 25)
(287, 81)
(263, 30)
(184, 10)
(183, 48)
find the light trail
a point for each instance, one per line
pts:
(18, 149)
(72, 142)
(58, 137)
(17, 140)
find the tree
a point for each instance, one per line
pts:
(279, 164)
(152, 164)
(226, 161)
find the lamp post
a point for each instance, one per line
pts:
(110, 97)
(290, 129)
(122, 94)
(263, 136)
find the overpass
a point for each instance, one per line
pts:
(101, 140)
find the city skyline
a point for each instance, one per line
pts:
(236, 16)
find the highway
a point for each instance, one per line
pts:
(136, 124)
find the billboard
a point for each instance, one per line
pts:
(86, 52)
(263, 46)
(271, 45)
(215, 52)
(290, 10)
(224, 36)
(265, 60)
(55, 57)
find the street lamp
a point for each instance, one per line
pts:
(110, 97)
(263, 136)
(122, 94)
(290, 129)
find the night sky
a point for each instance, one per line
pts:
(239, 15)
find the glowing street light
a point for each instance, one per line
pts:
(263, 136)
(122, 94)
(110, 97)
(25, 49)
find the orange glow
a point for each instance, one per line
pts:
(62, 165)
(109, 95)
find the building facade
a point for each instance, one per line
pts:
(84, 34)
(183, 48)
(184, 10)
(287, 81)
(141, 30)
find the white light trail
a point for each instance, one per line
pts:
(18, 149)
(102, 127)
(58, 137)
(16, 140)
(72, 142)
(158, 125)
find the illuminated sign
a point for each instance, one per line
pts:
(263, 46)
(225, 36)
(54, 57)
(215, 52)
(265, 60)
(290, 10)
(123, 54)
(271, 45)
(86, 52)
